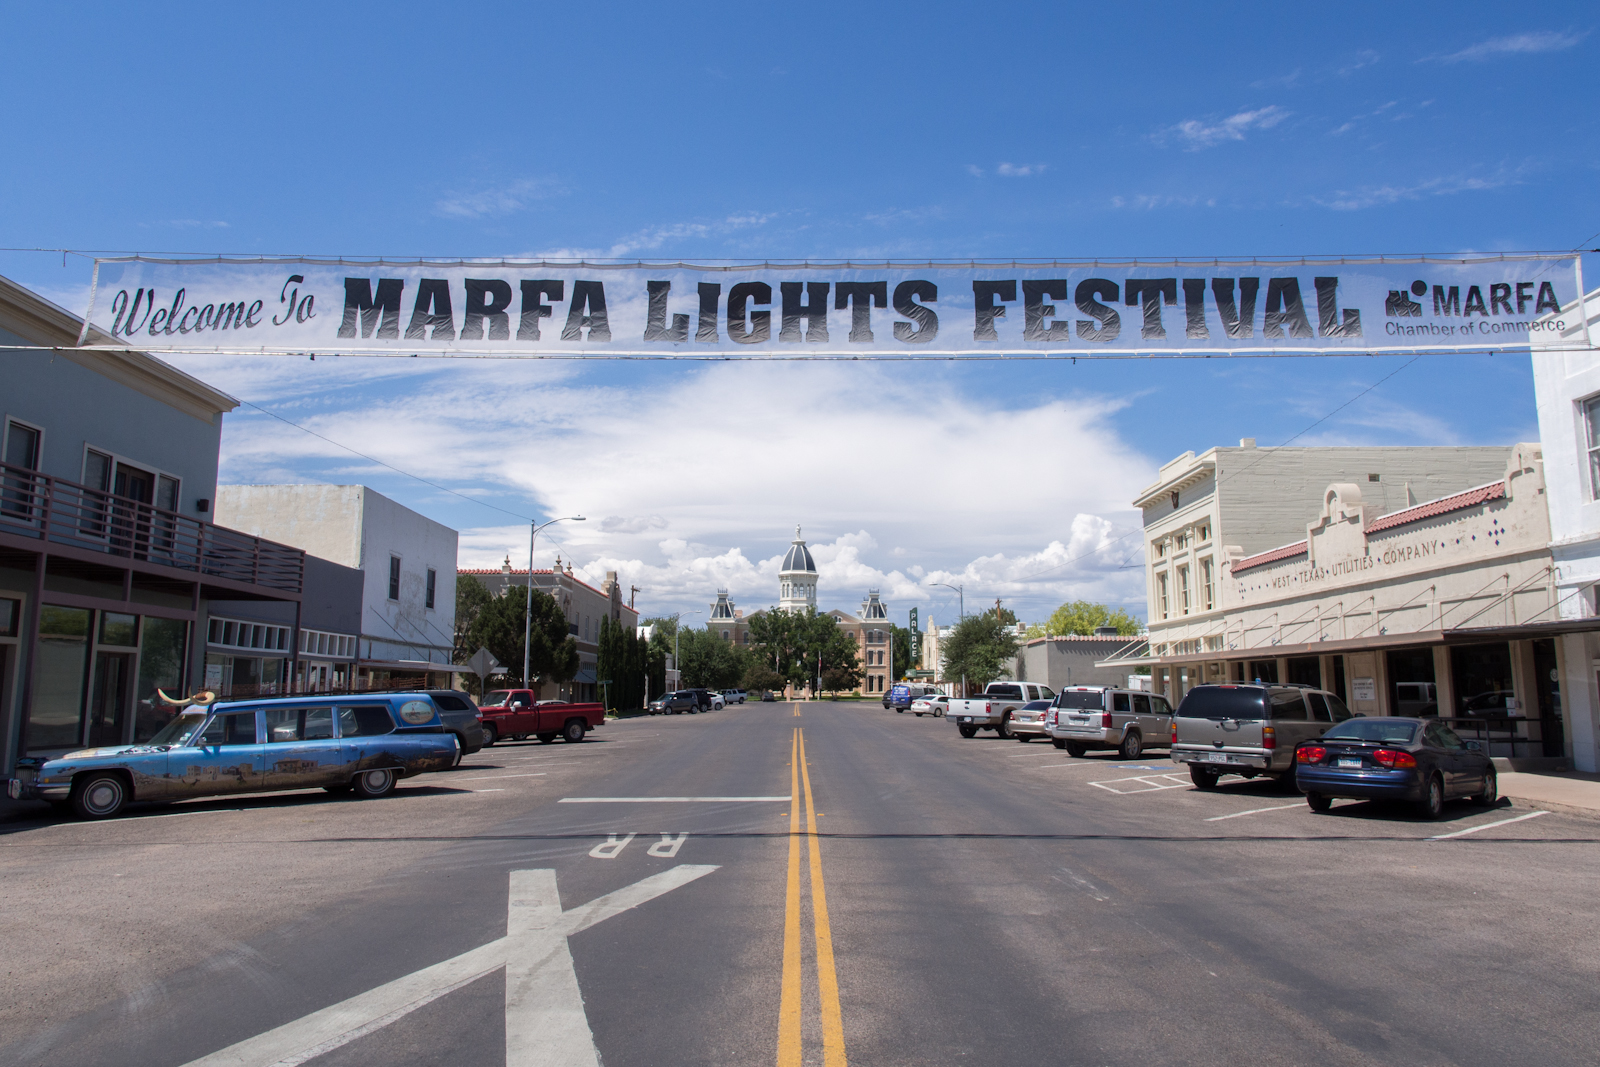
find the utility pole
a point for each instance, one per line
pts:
(632, 589)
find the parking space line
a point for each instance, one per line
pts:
(1253, 811)
(1487, 826)
(488, 777)
(1149, 783)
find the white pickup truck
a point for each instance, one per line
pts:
(993, 710)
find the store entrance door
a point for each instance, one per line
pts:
(108, 703)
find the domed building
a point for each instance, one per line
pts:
(797, 581)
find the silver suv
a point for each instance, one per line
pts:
(1086, 717)
(1249, 730)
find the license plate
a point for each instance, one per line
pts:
(1078, 718)
(1216, 757)
(966, 718)
(1348, 763)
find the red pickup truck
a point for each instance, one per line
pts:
(514, 714)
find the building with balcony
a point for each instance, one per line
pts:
(108, 561)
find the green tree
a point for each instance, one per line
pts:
(900, 643)
(827, 651)
(498, 625)
(708, 661)
(978, 649)
(759, 676)
(472, 597)
(1082, 618)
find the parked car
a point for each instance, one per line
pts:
(1085, 717)
(1027, 722)
(514, 715)
(768, 696)
(933, 704)
(1249, 730)
(707, 700)
(901, 695)
(733, 696)
(675, 703)
(1417, 760)
(994, 709)
(461, 717)
(362, 743)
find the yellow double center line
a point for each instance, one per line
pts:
(827, 978)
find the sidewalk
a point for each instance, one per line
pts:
(1572, 792)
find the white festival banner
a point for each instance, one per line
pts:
(523, 308)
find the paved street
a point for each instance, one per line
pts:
(962, 901)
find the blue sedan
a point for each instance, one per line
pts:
(357, 743)
(1416, 760)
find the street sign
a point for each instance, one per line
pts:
(483, 664)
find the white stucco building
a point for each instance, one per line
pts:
(1567, 390)
(408, 562)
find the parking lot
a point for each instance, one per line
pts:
(959, 901)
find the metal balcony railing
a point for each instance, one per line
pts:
(57, 512)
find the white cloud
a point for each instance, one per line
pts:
(653, 237)
(1149, 202)
(681, 514)
(188, 224)
(1530, 43)
(1021, 170)
(1197, 134)
(1379, 195)
(1364, 58)
(974, 170)
(496, 201)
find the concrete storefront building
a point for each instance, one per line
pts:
(1447, 606)
(108, 563)
(406, 632)
(1073, 660)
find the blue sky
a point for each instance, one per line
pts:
(847, 130)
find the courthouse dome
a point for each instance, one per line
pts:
(799, 557)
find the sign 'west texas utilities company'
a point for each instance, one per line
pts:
(895, 309)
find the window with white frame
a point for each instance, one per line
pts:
(1183, 590)
(433, 584)
(1208, 585)
(242, 633)
(324, 643)
(1591, 425)
(394, 577)
(1161, 594)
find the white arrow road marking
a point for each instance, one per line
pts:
(339, 1024)
(545, 1021)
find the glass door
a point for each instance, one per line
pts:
(108, 700)
(134, 490)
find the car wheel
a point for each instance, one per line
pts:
(1491, 789)
(99, 796)
(372, 784)
(968, 731)
(1318, 802)
(573, 731)
(1432, 803)
(899, 711)
(548, 739)
(1132, 745)
(1056, 741)
(918, 714)
(1075, 748)
(1004, 729)
(1203, 779)
(490, 734)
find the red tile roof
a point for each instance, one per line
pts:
(1470, 498)
(1273, 556)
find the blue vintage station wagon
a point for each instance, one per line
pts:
(360, 743)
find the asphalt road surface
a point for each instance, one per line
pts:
(683, 890)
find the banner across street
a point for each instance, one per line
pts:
(883, 310)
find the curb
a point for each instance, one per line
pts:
(1554, 806)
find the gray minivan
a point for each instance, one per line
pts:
(461, 717)
(1249, 730)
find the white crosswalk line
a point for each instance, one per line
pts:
(310, 1036)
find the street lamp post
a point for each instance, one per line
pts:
(527, 613)
(675, 629)
(961, 594)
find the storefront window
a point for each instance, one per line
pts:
(118, 629)
(1264, 671)
(1306, 670)
(161, 648)
(60, 670)
(1482, 676)
(1411, 682)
